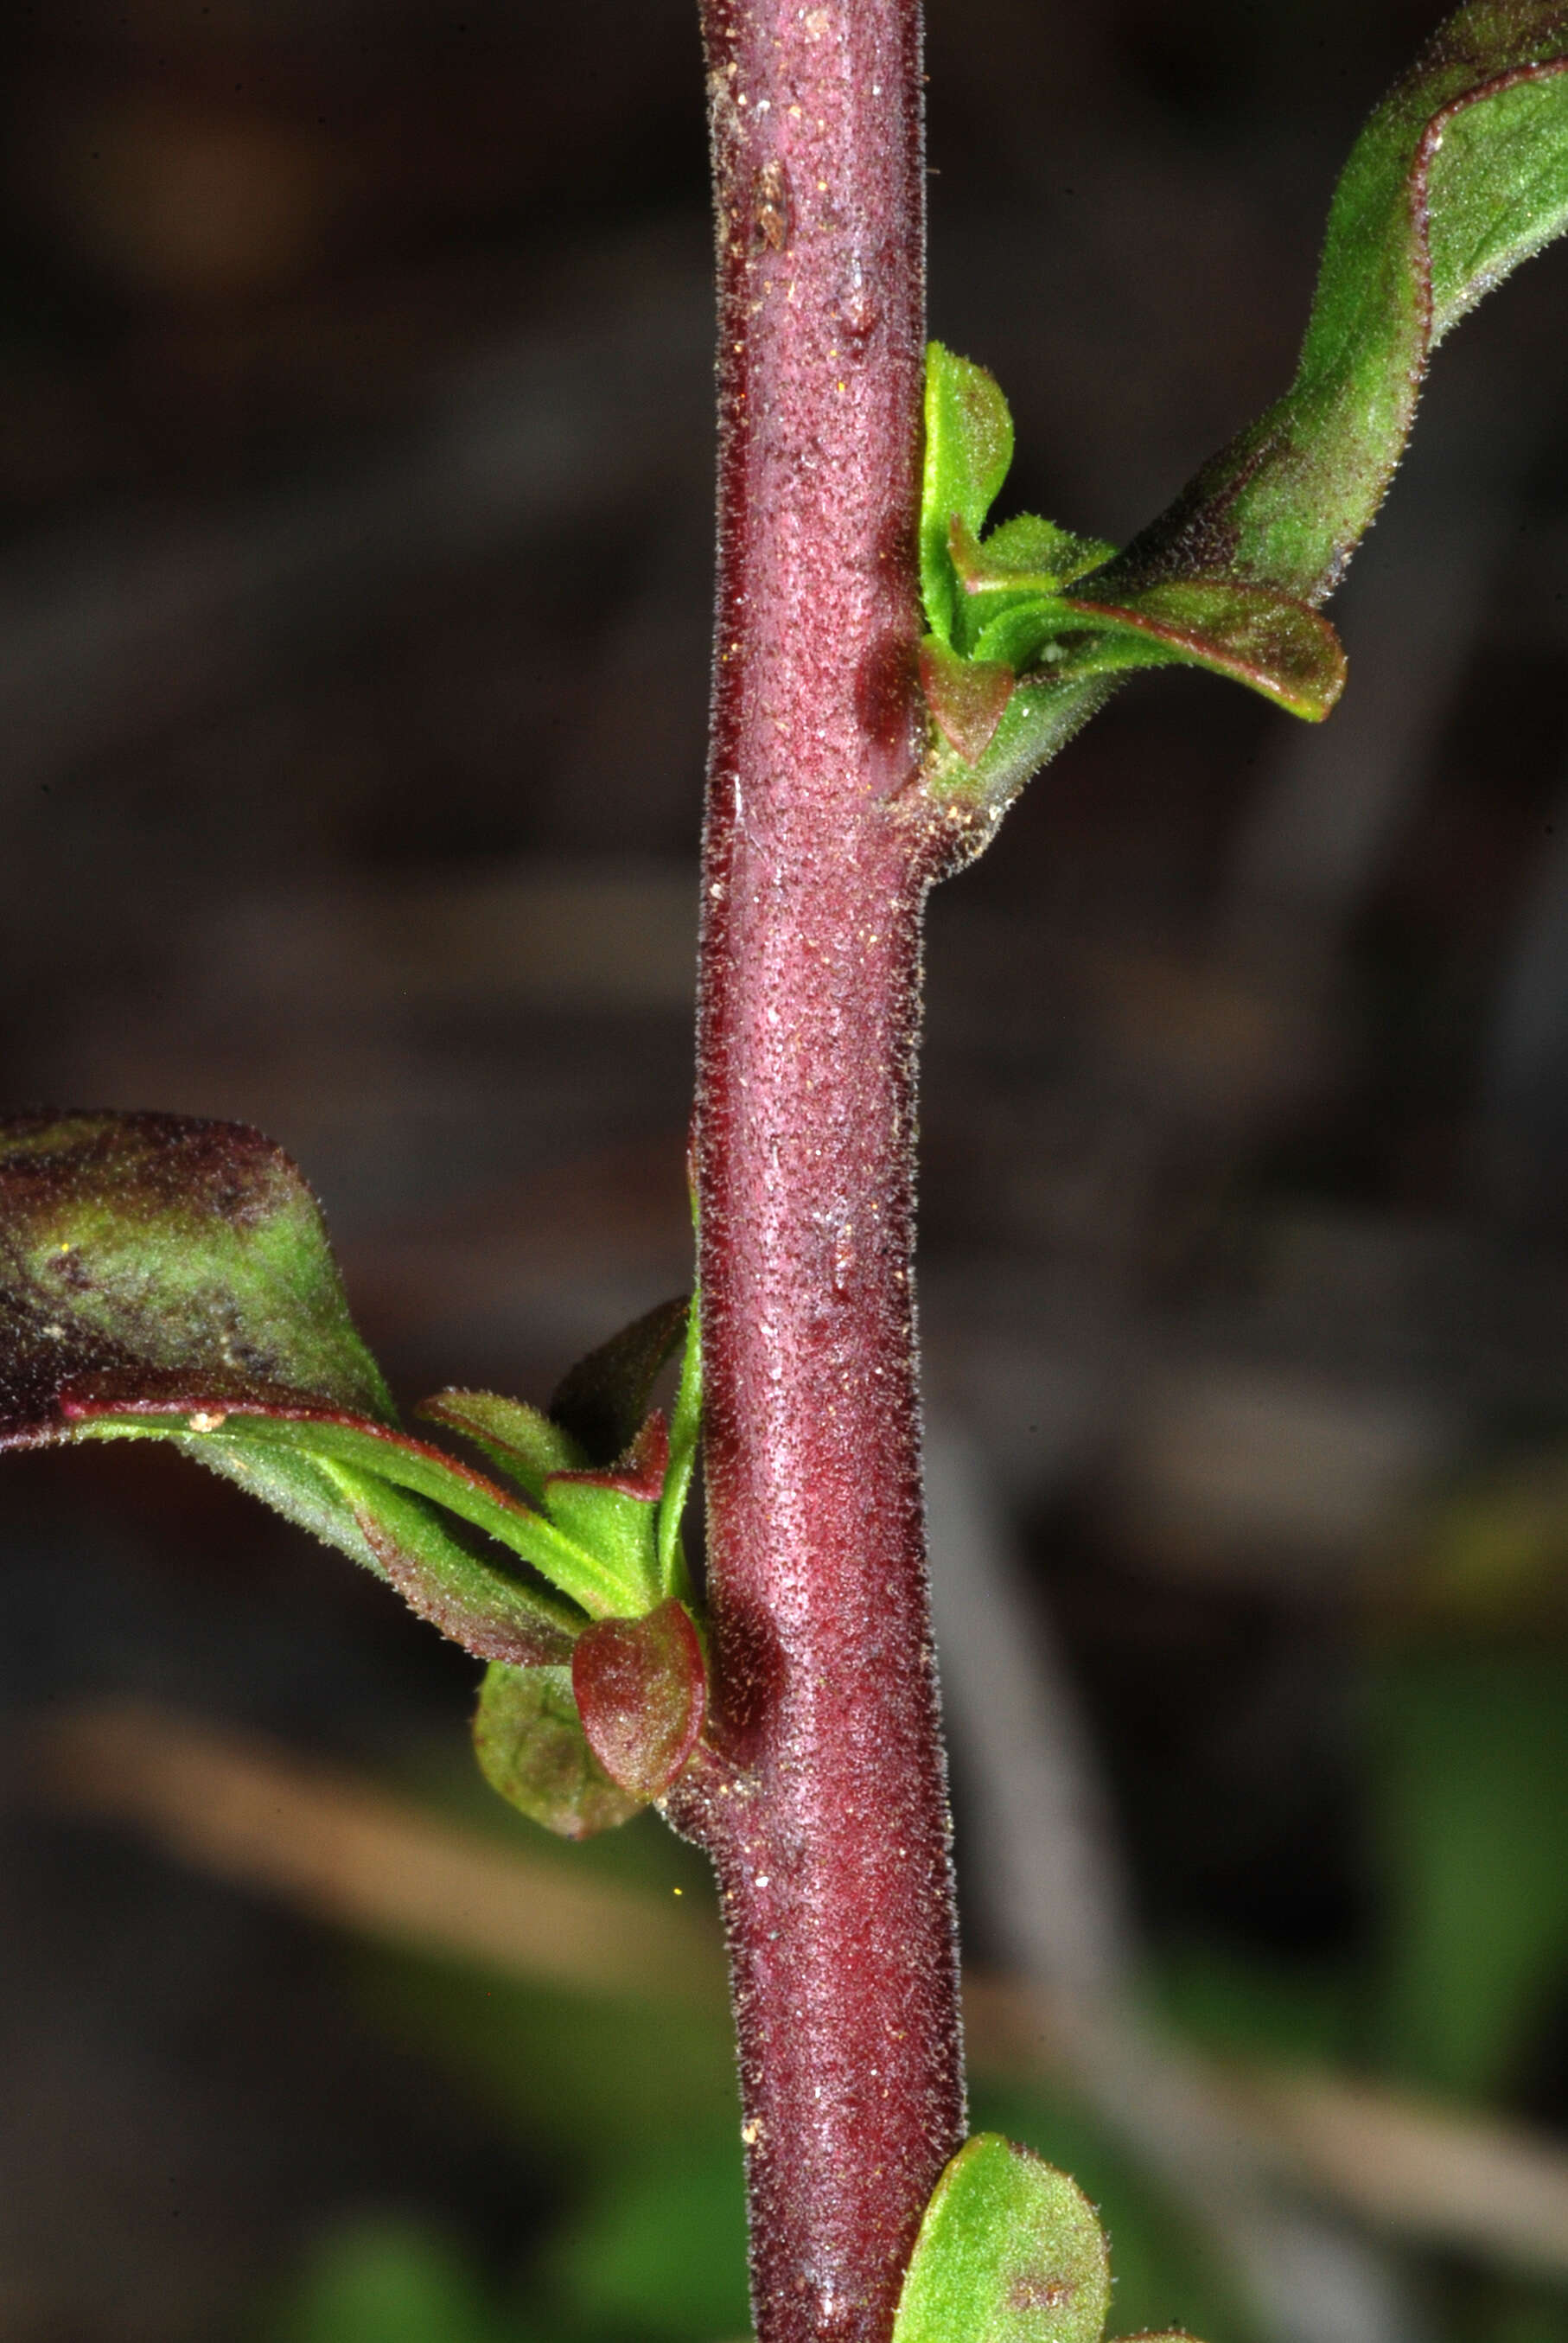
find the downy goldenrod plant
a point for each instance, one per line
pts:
(888, 675)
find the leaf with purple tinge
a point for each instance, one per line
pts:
(520, 1440)
(156, 1246)
(637, 1472)
(1002, 615)
(1461, 175)
(641, 1688)
(531, 1747)
(601, 1403)
(167, 1278)
(1255, 637)
(475, 1605)
(627, 1513)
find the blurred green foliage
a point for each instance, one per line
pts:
(388, 2280)
(631, 2107)
(1470, 1773)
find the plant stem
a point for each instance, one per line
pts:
(830, 1833)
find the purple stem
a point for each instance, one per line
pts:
(829, 1828)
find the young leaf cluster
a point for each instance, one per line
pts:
(1460, 175)
(1023, 625)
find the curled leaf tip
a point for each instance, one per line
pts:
(1461, 174)
(601, 1403)
(1265, 640)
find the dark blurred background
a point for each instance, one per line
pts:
(354, 571)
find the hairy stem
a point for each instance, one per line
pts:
(827, 1819)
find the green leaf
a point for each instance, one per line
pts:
(1161, 2257)
(1024, 555)
(1249, 633)
(530, 1741)
(406, 1540)
(969, 446)
(489, 1612)
(144, 1246)
(580, 1572)
(1255, 637)
(345, 1481)
(1024, 563)
(372, 1453)
(167, 1279)
(601, 1403)
(999, 612)
(1460, 175)
(519, 1440)
(1010, 2251)
(641, 1688)
(613, 1515)
(1497, 174)
(627, 1513)
(686, 1426)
